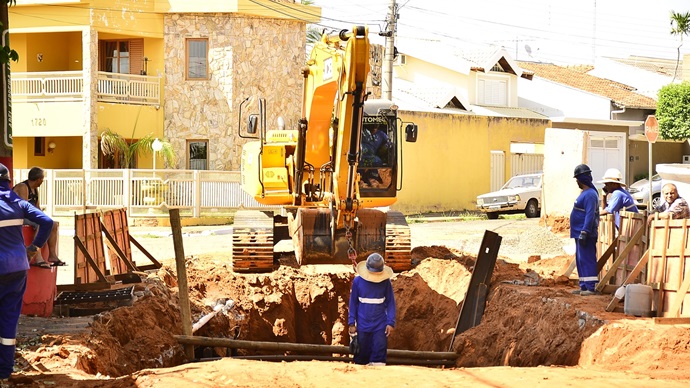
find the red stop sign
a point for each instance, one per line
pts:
(651, 128)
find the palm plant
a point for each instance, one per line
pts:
(680, 25)
(113, 143)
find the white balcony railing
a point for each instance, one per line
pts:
(69, 86)
(145, 193)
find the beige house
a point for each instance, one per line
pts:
(472, 135)
(171, 69)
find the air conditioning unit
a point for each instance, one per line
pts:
(686, 159)
(401, 59)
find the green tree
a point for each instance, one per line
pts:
(680, 25)
(114, 144)
(673, 111)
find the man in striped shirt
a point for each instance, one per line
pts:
(371, 317)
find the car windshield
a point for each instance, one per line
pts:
(523, 181)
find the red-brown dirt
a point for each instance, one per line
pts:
(565, 336)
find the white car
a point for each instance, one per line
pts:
(522, 193)
(640, 192)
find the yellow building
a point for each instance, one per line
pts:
(170, 69)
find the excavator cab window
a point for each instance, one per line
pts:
(377, 155)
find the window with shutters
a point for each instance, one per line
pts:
(196, 59)
(492, 91)
(121, 56)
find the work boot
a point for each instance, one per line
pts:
(587, 293)
(576, 292)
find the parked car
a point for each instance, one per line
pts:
(640, 192)
(522, 193)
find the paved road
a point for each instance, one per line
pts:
(465, 236)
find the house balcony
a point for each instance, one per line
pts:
(52, 103)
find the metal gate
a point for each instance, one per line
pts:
(498, 170)
(526, 164)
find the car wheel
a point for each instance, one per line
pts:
(656, 200)
(492, 215)
(532, 209)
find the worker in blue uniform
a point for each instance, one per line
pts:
(620, 198)
(371, 317)
(584, 224)
(14, 263)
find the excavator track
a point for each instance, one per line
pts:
(252, 241)
(398, 242)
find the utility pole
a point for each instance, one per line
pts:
(388, 55)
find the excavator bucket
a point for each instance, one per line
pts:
(316, 241)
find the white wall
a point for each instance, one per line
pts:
(564, 149)
(646, 82)
(556, 100)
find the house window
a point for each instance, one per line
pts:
(197, 154)
(197, 59)
(116, 56)
(39, 146)
(121, 56)
(492, 92)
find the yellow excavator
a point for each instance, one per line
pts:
(333, 177)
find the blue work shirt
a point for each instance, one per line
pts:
(372, 305)
(585, 214)
(620, 198)
(13, 211)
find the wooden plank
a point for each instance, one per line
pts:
(622, 256)
(92, 262)
(570, 269)
(183, 288)
(118, 252)
(146, 253)
(671, 321)
(609, 251)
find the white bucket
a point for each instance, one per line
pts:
(638, 300)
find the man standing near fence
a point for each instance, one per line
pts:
(618, 197)
(584, 223)
(28, 190)
(14, 264)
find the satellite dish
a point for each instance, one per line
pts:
(528, 49)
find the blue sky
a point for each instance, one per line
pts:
(539, 30)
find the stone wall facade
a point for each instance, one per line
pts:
(248, 56)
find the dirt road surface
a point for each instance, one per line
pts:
(529, 335)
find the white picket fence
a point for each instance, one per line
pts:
(145, 193)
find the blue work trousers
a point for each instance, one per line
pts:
(373, 347)
(586, 260)
(12, 287)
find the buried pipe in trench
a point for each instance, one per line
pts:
(286, 346)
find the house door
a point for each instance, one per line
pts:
(606, 150)
(498, 169)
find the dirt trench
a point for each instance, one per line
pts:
(522, 326)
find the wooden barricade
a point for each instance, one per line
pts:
(630, 244)
(669, 267)
(89, 254)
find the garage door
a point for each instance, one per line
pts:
(498, 169)
(606, 150)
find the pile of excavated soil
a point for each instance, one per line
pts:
(521, 325)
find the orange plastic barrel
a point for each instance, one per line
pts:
(41, 283)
